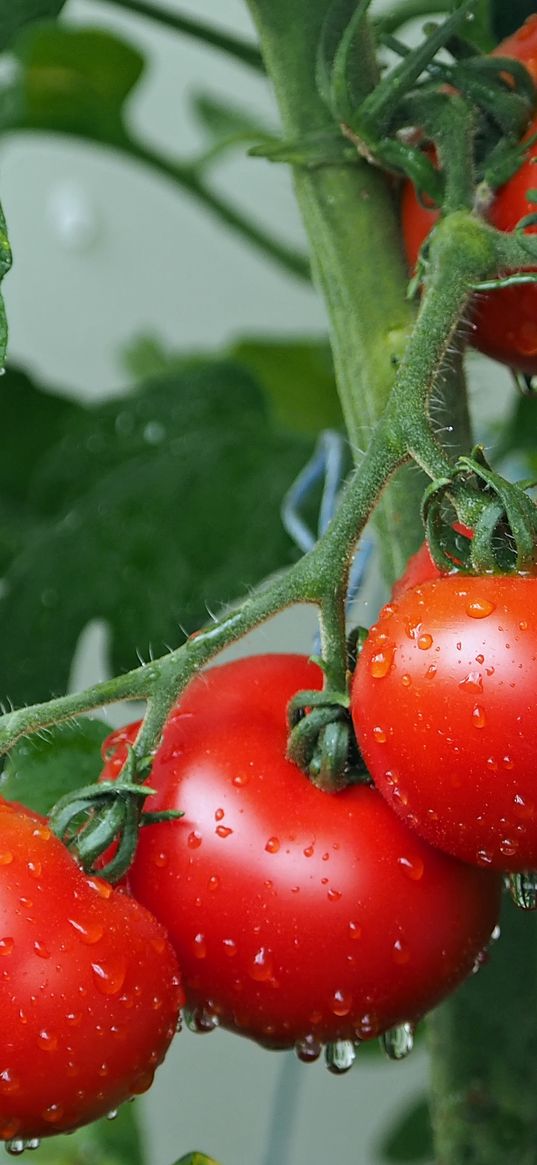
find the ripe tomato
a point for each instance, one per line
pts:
(299, 917)
(443, 706)
(420, 566)
(89, 987)
(504, 322)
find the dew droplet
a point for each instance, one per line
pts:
(15, 1146)
(240, 779)
(479, 608)
(33, 1143)
(194, 839)
(230, 947)
(508, 847)
(400, 952)
(523, 808)
(223, 830)
(308, 851)
(159, 859)
(425, 641)
(379, 735)
(47, 1041)
(355, 931)
(111, 1116)
(406, 680)
(483, 857)
(523, 889)
(102, 888)
(308, 1049)
(398, 1041)
(473, 682)
(35, 869)
(218, 815)
(495, 934)
(431, 672)
(6, 858)
(341, 1002)
(109, 976)
(41, 949)
(273, 845)
(333, 895)
(9, 1082)
(88, 932)
(213, 883)
(508, 763)
(381, 662)
(6, 946)
(340, 1056)
(479, 718)
(199, 946)
(260, 967)
(200, 1020)
(412, 867)
(53, 1113)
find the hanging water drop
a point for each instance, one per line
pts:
(15, 1147)
(340, 1056)
(200, 1021)
(111, 1116)
(398, 1041)
(34, 1143)
(308, 1049)
(523, 889)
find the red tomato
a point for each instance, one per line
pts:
(443, 703)
(89, 987)
(420, 566)
(299, 917)
(504, 322)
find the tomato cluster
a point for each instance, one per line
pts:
(503, 324)
(298, 917)
(89, 988)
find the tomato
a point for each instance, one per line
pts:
(504, 322)
(298, 916)
(89, 988)
(421, 567)
(443, 703)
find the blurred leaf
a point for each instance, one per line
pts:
(506, 18)
(105, 1142)
(70, 80)
(16, 13)
(196, 1159)
(298, 378)
(517, 435)
(41, 769)
(226, 125)
(410, 1137)
(5, 264)
(149, 512)
(33, 419)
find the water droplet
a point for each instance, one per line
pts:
(33, 1143)
(213, 883)
(109, 976)
(35, 869)
(381, 662)
(522, 807)
(508, 763)
(431, 672)
(495, 934)
(102, 888)
(492, 764)
(333, 895)
(425, 642)
(481, 958)
(483, 857)
(15, 1146)
(260, 967)
(230, 947)
(341, 1002)
(398, 1041)
(200, 1020)
(355, 931)
(223, 830)
(508, 847)
(406, 680)
(379, 735)
(523, 889)
(88, 932)
(473, 682)
(309, 851)
(273, 845)
(241, 779)
(479, 718)
(219, 814)
(159, 859)
(26, 902)
(53, 1113)
(194, 839)
(9, 1082)
(47, 1041)
(6, 946)
(412, 867)
(111, 1116)
(400, 952)
(479, 608)
(340, 1056)
(199, 946)
(6, 858)
(41, 949)
(308, 1049)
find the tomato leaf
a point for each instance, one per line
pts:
(152, 511)
(16, 13)
(71, 80)
(410, 1138)
(41, 769)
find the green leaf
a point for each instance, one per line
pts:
(105, 1142)
(196, 1159)
(222, 120)
(410, 1137)
(298, 379)
(71, 80)
(517, 435)
(150, 512)
(5, 264)
(16, 13)
(41, 769)
(506, 18)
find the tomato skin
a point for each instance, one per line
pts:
(443, 704)
(294, 913)
(89, 987)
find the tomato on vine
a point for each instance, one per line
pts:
(443, 707)
(89, 988)
(299, 917)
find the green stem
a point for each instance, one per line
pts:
(234, 46)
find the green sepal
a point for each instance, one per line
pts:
(319, 148)
(337, 68)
